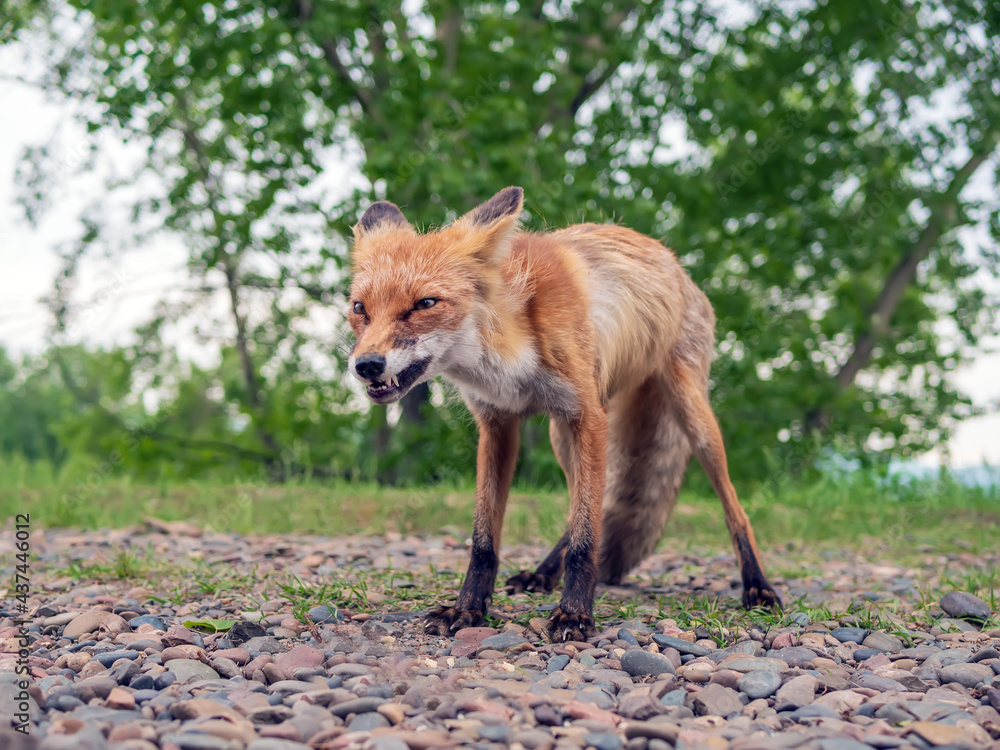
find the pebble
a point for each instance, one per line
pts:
(639, 663)
(760, 683)
(716, 700)
(373, 680)
(185, 670)
(680, 645)
(965, 606)
(968, 675)
(849, 635)
(503, 641)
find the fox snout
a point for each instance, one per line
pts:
(370, 366)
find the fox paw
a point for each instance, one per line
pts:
(529, 581)
(446, 620)
(760, 594)
(570, 626)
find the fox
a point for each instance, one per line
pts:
(595, 325)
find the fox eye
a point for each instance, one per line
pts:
(359, 309)
(425, 303)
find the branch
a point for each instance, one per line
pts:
(904, 272)
(362, 94)
(880, 315)
(591, 87)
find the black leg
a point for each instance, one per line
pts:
(546, 577)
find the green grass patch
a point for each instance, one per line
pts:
(862, 512)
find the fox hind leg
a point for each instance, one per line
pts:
(690, 401)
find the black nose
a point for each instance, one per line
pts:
(370, 366)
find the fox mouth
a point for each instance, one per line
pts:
(396, 387)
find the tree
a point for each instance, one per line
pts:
(815, 204)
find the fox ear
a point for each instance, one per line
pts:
(378, 217)
(491, 225)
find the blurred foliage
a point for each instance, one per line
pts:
(810, 165)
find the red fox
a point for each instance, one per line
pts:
(596, 325)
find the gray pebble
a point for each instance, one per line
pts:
(110, 657)
(356, 706)
(186, 670)
(882, 642)
(626, 635)
(367, 722)
(603, 740)
(387, 743)
(680, 645)
(760, 683)
(153, 620)
(965, 606)
(639, 663)
(968, 675)
(271, 743)
(557, 662)
(494, 732)
(812, 712)
(503, 641)
(715, 700)
(676, 697)
(849, 635)
(796, 656)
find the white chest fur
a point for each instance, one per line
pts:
(513, 385)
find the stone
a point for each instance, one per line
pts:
(797, 692)
(603, 741)
(948, 656)
(639, 663)
(367, 722)
(120, 699)
(965, 606)
(753, 663)
(640, 706)
(557, 663)
(849, 635)
(844, 702)
(794, 656)
(760, 683)
(300, 656)
(151, 620)
(969, 675)
(684, 647)
(715, 700)
(110, 657)
(356, 706)
(949, 735)
(872, 681)
(503, 641)
(186, 670)
(86, 622)
(882, 642)
(652, 730)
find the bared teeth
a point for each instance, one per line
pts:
(393, 382)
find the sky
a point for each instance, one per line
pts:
(117, 294)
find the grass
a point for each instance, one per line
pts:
(801, 528)
(862, 513)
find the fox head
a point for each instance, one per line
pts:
(418, 300)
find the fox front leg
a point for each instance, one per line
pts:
(498, 444)
(573, 619)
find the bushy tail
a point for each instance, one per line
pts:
(648, 453)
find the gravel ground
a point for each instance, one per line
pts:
(860, 659)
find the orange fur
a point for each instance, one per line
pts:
(596, 325)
